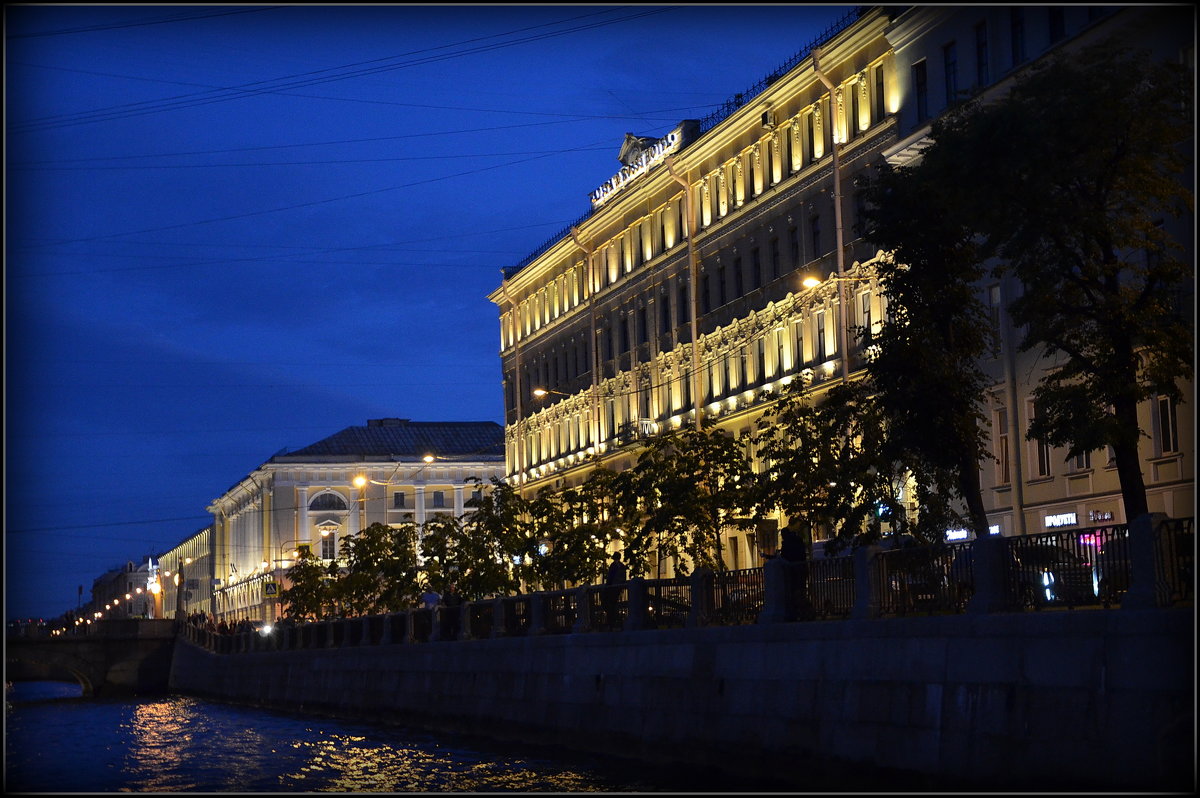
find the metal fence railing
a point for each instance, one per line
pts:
(737, 597)
(668, 603)
(916, 578)
(561, 611)
(1067, 569)
(1176, 566)
(829, 590)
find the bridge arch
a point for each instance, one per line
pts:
(54, 662)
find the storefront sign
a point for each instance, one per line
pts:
(1062, 519)
(651, 156)
(1099, 516)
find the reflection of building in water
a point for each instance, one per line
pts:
(632, 323)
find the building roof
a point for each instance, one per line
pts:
(399, 438)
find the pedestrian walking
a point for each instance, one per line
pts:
(611, 595)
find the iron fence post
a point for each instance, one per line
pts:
(1146, 584)
(777, 604)
(635, 614)
(988, 575)
(866, 590)
(702, 598)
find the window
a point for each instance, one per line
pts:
(705, 288)
(1003, 475)
(864, 314)
(794, 246)
(994, 312)
(1058, 25)
(398, 500)
(1041, 450)
(327, 501)
(1017, 33)
(1168, 430)
(682, 313)
(439, 498)
(329, 546)
(476, 496)
(819, 336)
(739, 286)
(879, 98)
(1081, 461)
(852, 123)
(643, 332)
(809, 139)
(774, 258)
(814, 227)
(920, 91)
(950, 67)
(797, 343)
(664, 314)
(756, 275)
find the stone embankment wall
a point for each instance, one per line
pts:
(1051, 700)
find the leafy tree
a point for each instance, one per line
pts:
(458, 551)
(1073, 174)
(381, 570)
(828, 464)
(688, 485)
(925, 361)
(309, 594)
(588, 520)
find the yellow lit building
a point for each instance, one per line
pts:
(392, 471)
(681, 293)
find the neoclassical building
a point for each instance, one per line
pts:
(697, 283)
(186, 575)
(392, 471)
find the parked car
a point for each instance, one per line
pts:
(1035, 576)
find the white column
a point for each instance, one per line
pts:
(303, 534)
(419, 501)
(458, 501)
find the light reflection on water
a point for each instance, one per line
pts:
(58, 742)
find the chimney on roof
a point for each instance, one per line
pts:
(386, 422)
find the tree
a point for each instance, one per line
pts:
(1074, 174)
(309, 593)
(925, 365)
(689, 485)
(828, 463)
(381, 570)
(460, 552)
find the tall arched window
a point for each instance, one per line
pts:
(328, 501)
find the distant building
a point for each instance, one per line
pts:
(186, 575)
(599, 321)
(128, 591)
(410, 470)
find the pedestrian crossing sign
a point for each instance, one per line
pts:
(271, 589)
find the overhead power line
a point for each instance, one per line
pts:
(275, 85)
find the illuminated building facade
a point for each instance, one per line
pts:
(681, 293)
(392, 471)
(186, 575)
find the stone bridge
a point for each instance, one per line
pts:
(115, 657)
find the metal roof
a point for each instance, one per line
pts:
(399, 438)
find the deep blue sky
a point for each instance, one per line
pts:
(231, 230)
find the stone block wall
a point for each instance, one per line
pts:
(1052, 700)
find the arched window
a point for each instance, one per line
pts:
(328, 501)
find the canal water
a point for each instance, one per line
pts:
(56, 741)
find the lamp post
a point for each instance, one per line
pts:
(837, 212)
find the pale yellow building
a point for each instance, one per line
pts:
(680, 292)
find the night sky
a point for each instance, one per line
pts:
(232, 230)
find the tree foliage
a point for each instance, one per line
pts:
(687, 486)
(309, 596)
(1073, 175)
(380, 573)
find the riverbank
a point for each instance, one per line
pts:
(1048, 701)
